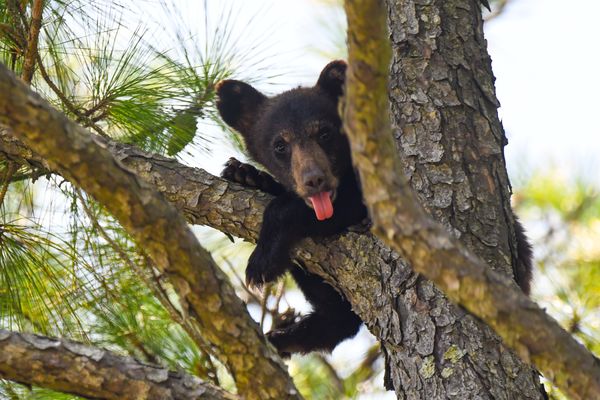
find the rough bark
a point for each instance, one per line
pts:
(205, 293)
(401, 221)
(450, 140)
(447, 354)
(75, 368)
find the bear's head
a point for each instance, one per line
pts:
(297, 135)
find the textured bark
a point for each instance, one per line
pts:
(75, 368)
(205, 293)
(401, 221)
(449, 135)
(451, 142)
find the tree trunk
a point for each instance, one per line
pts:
(449, 136)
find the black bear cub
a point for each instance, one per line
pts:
(297, 136)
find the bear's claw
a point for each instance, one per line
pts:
(264, 267)
(248, 176)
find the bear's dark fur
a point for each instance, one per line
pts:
(297, 136)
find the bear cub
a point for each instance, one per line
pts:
(297, 136)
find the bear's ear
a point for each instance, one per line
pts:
(332, 78)
(239, 103)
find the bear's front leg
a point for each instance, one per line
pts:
(286, 220)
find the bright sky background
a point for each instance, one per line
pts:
(546, 57)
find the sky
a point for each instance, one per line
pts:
(546, 58)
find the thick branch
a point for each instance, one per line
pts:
(401, 222)
(204, 291)
(75, 368)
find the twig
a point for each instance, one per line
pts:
(32, 41)
(241, 281)
(337, 381)
(10, 171)
(263, 303)
(365, 370)
(279, 295)
(81, 117)
(497, 10)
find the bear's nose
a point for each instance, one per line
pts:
(314, 179)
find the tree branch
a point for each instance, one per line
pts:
(31, 54)
(204, 291)
(404, 225)
(87, 371)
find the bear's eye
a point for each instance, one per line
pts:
(325, 134)
(280, 147)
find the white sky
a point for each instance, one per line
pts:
(546, 57)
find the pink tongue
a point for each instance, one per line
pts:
(322, 204)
